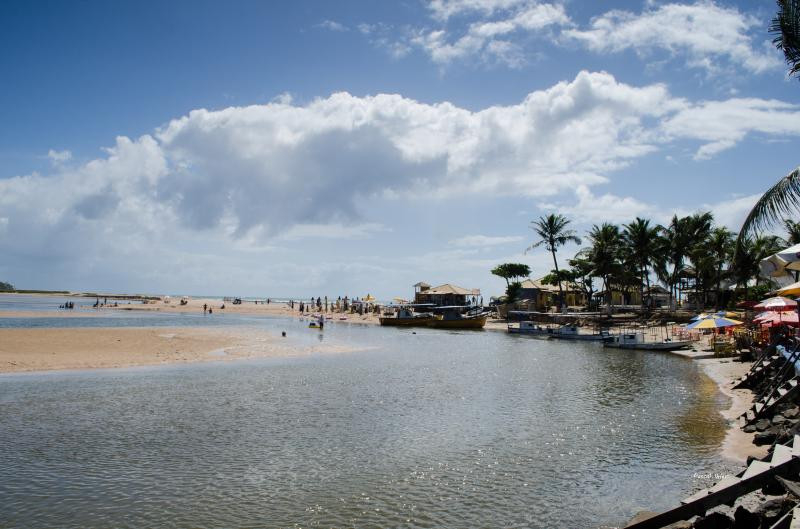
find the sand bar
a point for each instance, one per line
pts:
(92, 348)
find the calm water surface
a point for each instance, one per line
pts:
(433, 429)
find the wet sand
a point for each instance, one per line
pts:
(95, 348)
(738, 445)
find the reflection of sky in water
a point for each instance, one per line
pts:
(426, 429)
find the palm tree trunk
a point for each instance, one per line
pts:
(641, 286)
(558, 280)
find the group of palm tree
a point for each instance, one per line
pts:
(688, 251)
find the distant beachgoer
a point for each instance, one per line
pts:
(321, 321)
(210, 310)
(222, 306)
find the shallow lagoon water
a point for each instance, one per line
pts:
(433, 429)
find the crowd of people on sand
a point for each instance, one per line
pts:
(67, 305)
(341, 305)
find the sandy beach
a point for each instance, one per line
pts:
(96, 348)
(738, 445)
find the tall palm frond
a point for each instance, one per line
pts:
(780, 201)
(786, 28)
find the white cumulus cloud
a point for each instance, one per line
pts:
(253, 179)
(470, 241)
(704, 32)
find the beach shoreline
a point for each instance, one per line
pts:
(737, 445)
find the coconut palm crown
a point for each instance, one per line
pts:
(553, 234)
(782, 199)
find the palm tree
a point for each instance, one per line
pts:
(786, 28)
(674, 242)
(721, 245)
(782, 199)
(642, 241)
(698, 229)
(604, 254)
(749, 252)
(793, 230)
(554, 233)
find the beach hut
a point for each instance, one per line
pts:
(545, 296)
(445, 295)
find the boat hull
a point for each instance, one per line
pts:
(405, 322)
(460, 323)
(654, 346)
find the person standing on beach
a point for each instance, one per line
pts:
(321, 321)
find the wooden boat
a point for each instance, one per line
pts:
(405, 317)
(636, 340)
(454, 318)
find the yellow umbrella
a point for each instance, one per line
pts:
(714, 323)
(791, 290)
(369, 298)
(400, 300)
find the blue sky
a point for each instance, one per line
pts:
(256, 148)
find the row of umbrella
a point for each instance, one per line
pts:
(775, 311)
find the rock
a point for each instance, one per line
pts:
(778, 419)
(762, 425)
(770, 511)
(744, 519)
(764, 438)
(772, 488)
(792, 413)
(715, 520)
(683, 524)
(750, 428)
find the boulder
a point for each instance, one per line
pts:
(750, 428)
(715, 520)
(744, 519)
(762, 425)
(778, 419)
(765, 438)
(770, 511)
(792, 413)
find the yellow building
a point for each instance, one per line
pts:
(544, 297)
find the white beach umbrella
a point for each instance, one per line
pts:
(773, 266)
(791, 256)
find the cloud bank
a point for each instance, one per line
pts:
(251, 178)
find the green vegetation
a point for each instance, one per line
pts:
(509, 272)
(690, 253)
(553, 234)
(6, 287)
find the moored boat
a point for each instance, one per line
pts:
(454, 318)
(561, 332)
(637, 340)
(405, 317)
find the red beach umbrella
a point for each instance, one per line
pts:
(777, 303)
(780, 318)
